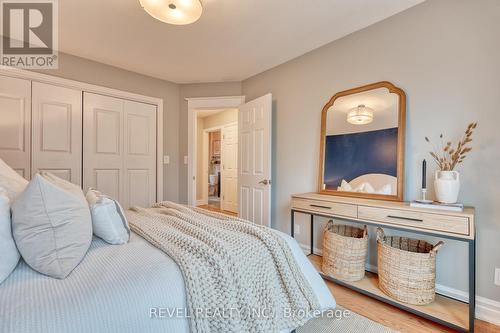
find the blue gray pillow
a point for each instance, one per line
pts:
(9, 256)
(52, 226)
(108, 219)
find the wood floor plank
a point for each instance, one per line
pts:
(218, 210)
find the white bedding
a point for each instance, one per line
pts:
(112, 290)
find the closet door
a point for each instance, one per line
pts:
(15, 123)
(57, 131)
(103, 144)
(119, 149)
(139, 154)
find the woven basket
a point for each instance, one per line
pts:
(407, 268)
(344, 251)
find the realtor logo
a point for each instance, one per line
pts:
(29, 33)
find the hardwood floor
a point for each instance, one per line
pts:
(389, 315)
(218, 210)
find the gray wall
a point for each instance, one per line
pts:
(88, 71)
(445, 55)
(196, 90)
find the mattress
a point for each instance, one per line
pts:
(116, 288)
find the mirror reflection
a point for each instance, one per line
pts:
(361, 143)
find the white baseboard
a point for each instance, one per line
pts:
(486, 309)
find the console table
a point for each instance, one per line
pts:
(400, 216)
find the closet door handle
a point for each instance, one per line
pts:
(404, 218)
(319, 206)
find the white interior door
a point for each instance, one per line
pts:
(103, 145)
(229, 171)
(205, 170)
(57, 131)
(15, 124)
(255, 140)
(139, 154)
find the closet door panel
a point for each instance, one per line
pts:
(140, 154)
(15, 123)
(107, 125)
(103, 144)
(61, 173)
(57, 131)
(139, 185)
(108, 181)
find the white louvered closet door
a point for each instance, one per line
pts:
(15, 124)
(119, 149)
(57, 131)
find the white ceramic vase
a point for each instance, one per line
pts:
(447, 186)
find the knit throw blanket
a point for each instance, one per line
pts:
(239, 276)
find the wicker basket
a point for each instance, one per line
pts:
(407, 268)
(344, 251)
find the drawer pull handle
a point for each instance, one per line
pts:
(404, 218)
(319, 206)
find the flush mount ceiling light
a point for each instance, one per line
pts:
(178, 12)
(360, 115)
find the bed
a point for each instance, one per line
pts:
(114, 289)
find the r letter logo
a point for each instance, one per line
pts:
(29, 33)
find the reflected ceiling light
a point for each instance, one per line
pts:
(178, 12)
(360, 115)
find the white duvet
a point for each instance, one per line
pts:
(116, 288)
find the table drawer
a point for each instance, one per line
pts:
(327, 208)
(419, 220)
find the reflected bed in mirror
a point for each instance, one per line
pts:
(362, 140)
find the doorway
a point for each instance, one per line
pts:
(252, 169)
(217, 162)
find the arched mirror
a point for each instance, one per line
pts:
(362, 143)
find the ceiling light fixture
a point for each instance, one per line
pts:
(178, 12)
(360, 115)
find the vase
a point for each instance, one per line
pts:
(447, 186)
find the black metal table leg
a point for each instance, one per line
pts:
(472, 284)
(292, 233)
(312, 233)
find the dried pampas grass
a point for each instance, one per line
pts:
(447, 157)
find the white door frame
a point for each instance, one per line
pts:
(201, 103)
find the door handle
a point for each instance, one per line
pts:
(265, 182)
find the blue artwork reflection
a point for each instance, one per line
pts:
(349, 156)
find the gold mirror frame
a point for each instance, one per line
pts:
(401, 142)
